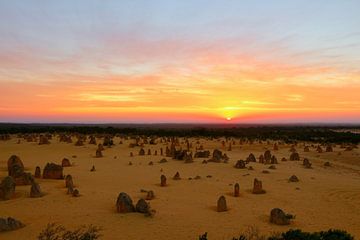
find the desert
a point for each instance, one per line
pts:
(320, 195)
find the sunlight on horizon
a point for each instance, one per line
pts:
(179, 62)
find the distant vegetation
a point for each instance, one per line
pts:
(288, 134)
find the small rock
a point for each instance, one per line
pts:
(75, 193)
(35, 191)
(10, 224)
(177, 176)
(65, 163)
(236, 190)
(293, 178)
(278, 217)
(150, 195)
(124, 203)
(162, 180)
(221, 204)
(257, 189)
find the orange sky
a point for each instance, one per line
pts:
(190, 70)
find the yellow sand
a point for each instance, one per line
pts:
(327, 198)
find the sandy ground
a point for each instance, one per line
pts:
(327, 198)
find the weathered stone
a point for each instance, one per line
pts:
(43, 140)
(278, 217)
(92, 140)
(240, 164)
(124, 203)
(251, 158)
(319, 149)
(141, 152)
(101, 147)
(75, 193)
(150, 195)
(10, 224)
(35, 190)
(79, 143)
(108, 142)
(306, 163)
(294, 156)
(15, 166)
(69, 181)
(293, 178)
(53, 171)
(7, 188)
(98, 153)
(65, 162)
(37, 172)
(142, 206)
(257, 189)
(267, 156)
(236, 190)
(273, 160)
(177, 176)
(329, 148)
(221, 204)
(261, 159)
(188, 157)
(163, 181)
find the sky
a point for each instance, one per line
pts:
(187, 61)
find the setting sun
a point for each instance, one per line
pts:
(165, 119)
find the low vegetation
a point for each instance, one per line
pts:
(58, 232)
(253, 234)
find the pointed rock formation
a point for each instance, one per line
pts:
(162, 180)
(221, 204)
(37, 172)
(7, 188)
(236, 190)
(257, 189)
(65, 162)
(124, 203)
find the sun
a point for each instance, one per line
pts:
(229, 118)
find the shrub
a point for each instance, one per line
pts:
(58, 232)
(252, 233)
(324, 235)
